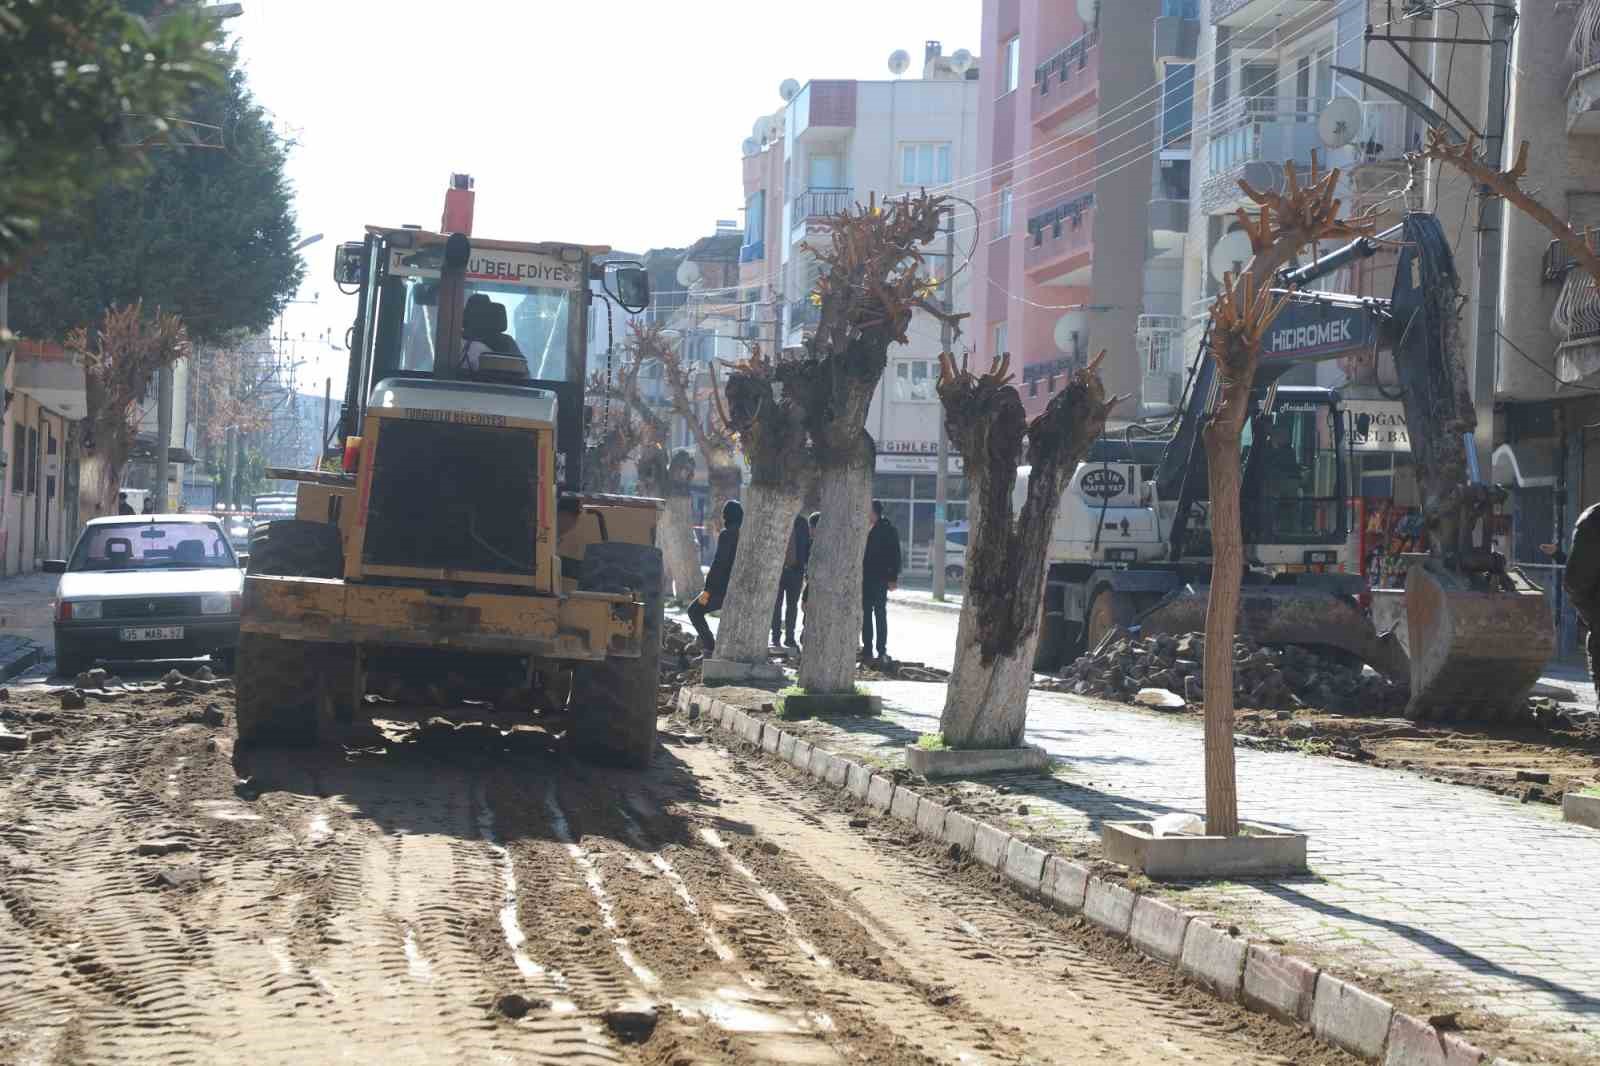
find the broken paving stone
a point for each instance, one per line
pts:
(1538, 777)
(12, 741)
(768, 847)
(205, 674)
(859, 823)
(178, 876)
(164, 846)
(513, 1005)
(631, 1022)
(72, 700)
(39, 736)
(212, 715)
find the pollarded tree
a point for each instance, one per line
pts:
(771, 431)
(986, 701)
(873, 276)
(121, 353)
(1285, 223)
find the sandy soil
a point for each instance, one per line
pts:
(477, 897)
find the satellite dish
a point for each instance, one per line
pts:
(763, 129)
(1089, 11)
(1068, 324)
(688, 273)
(1340, 122)
(961, 61)
(1230, 253)
(750, 147)
(788, 89)
(899, 61)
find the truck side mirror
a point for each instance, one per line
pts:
(632, 289)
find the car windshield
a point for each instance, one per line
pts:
(152, 546)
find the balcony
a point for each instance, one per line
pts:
(1169, 224)
(819, 201)
(803, 314)
(1177, 38)
(1583, 91)
(1251, 138)
(1159, 340)
(1060, 242)
(822, 111)
(1067, 80)
(1248, 12)
(1576, 321)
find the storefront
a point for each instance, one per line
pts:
(1388, 515)
(907, 483)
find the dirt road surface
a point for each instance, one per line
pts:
(479, 898)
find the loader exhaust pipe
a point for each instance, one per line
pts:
(452, 301)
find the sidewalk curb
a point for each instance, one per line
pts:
(30, 655)
(1254, 975)
(917, 603)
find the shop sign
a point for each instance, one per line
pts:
(1377, 426)
(913, 457)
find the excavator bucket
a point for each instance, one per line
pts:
(1288, 614)
(1475, 653)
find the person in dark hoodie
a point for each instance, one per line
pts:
(794, 573)
(717, 577)
(880, 569)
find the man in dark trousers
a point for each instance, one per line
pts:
(717, 577)
(794, 573)
(880, 569)
(1582, 580)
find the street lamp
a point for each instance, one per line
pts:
(306, 242)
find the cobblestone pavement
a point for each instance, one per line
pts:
(26, 603)
(1431, 893)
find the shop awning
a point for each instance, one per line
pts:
(1526, 465)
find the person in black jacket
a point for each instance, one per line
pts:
(1582, 581)
(880, 569)
(794, 573)
(717, 577)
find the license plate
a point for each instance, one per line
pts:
(153, 633)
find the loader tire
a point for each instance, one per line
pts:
(295, 548)
(1055, 643)
(613, 703)
(276, 681)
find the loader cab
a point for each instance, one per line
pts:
(1294, 508)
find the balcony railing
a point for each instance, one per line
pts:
(1558, 260)
(1064, 63)
(1159, 339)
(1586, 45)
(1247, 12)
(1253, 129)
(1577, 313)
(1068, 218)
(803, 313)
(819, 201)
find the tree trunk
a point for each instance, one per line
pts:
(986, 703)
(678, 550)
(757, 568)
(99, 478)
(1222, 613)
(833, 605)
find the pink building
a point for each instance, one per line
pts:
(1082, 182)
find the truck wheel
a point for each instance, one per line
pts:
(296, 548)
(275, 680)
(613, 703)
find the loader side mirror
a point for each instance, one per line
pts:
(350, 263)
(631, 288)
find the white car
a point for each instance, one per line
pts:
(955, 552)
(147, 587)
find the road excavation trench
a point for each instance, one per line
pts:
(431, 903)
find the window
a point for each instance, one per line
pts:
(1177, 103)
(755, 214)
(19, 455)
(924, 164)
(1002, 340)
(33, 462)
(1013, 69)
(1003, 222)
(915, 381)
(1187, 9)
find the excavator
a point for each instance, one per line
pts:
(1132, 547)
(455, 547)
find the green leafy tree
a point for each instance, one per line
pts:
(86, 88)
(208, 234)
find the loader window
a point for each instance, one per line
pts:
(537, 318)
(1292, 464)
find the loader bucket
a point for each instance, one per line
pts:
(1474, 654)
(1288, 614)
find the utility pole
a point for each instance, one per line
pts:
(163, 438)
(941, 488)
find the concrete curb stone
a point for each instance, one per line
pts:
(722, 714)
(1413, 1042)
(801, 758)
(821, 759)
(1346, 1017)
(838, 772)
(858, 781)
(753, 728)
(880, 793)
(1279, 985)
(786, 742)
(930, 818)
(1024, 866)
(771, 736)
(989, 845)
(1108, 905)
(1157, 929)
(1214, 959)
(1065, 884)
(958, 830)
(904, 804)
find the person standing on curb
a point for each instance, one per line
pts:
(880, 570)
(710, 600)
(1582, 581)
(794, 573)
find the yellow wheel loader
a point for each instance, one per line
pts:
(455, 552)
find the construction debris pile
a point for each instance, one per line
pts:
(1267, 677)
(680, 663)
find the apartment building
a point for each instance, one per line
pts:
(39, 438)
(1082, 183)
(832, 144)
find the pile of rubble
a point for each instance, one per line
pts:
(680, 663)
(1268, 677)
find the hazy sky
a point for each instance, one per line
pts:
(604, 122)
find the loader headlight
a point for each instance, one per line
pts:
(219, 603)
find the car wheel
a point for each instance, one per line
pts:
(954, 573)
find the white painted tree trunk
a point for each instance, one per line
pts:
(746, 621)
(99, 478)
(679, 554)
(833, 605)
(986, 705)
